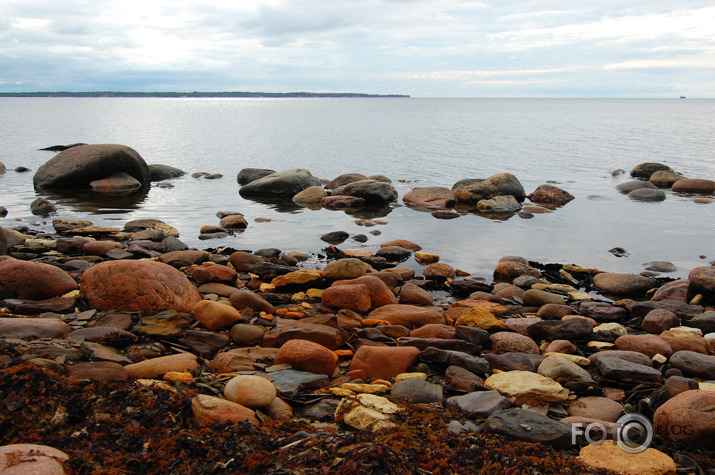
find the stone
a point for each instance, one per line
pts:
(246, 334)
(119, 182)
(360, 417)
(688, 418)
(253, 392)
(439, 271)
(169, 323)
(554, 311)
(344, 179)
(416, 391)
(372, 191)
(514, 361)
(675, 385)
(521, 325)
(480, 403)
(242, 261)
(429, 198)
(403, 243)
(550, 194)
(158, 367)
(211, 272)
(287, 329)
(204, 343)
(499, 204)
(539, 298)
(694, 364)
(233, 221)
(565, 372)
(307, 356)
(629, 186)
(472, 191)
(480, 317)
(247, 175)
(232, 361)
(503, 342)
(646, 169)
(603, 312)
(246, 299)
(299, 277)
(441, 343)
(659, 320)
(105, 335)
(550, 330)
(463, 380)
(647, 195)
(286, 184)
(32, 328)
(676, 290)
(310, 196)
(209, 410)
(384, 362)
(158, 172)
(507, 271)
(350, 296)
(525, 386)
(705, 322)
(42, 207)
(561, 346)
(680, 339)
(622, 284)
(34, 280)
(694, 186)
(32, 459)
(433, 330)
(528, 426)
(702, 281)
(596, 407)
(410, 316)
(98, 371)
(620, 369)
(608, 456)
(342, 202)
(179, 259)
(335, 237)
(411, 294)
(342, 269)
(649, 345)
(380, 294)
(394, 253)
(146, 286)
(664, 178)
(78, 166)
(289, 383)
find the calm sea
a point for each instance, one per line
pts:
(573, 143)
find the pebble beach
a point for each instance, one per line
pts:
(123, 350)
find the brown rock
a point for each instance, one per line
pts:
(340, 269)
(622, 284)
(659, 320)
(210, 410)
(429, 198)
(649, 345)
(561, 346)
(232, 361)
(507, 271)
(216, 316)
(685, 340)
(157, 367)
(384, 362)
(186, 258)
(480, 317)
(403, 243)
(250, 391)
(233, 221)
(412, 294)
(439, 270)
(31, 459)
(34, 280)
(287, 329)
(688, 418)
(503, 342)
(541, 297)
(433, 330)
(596, 408)
(242, 261)
(550, 194)
(98, 371)
(675, 290)
(694, 185)
(33, 328)
(702, 281)
(246, 334)
(342, 202)
(210, 272)
(245, 299)
(380, 294)
(410, 316)
(608, 456)
(351, 296)
(307, 356)
(554, 310)
(100, 248)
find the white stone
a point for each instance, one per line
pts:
(525, 384)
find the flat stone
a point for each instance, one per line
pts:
(694, 364)
(98, 370)
(596, 408)
(384, 362)
(289, 383)
(410, 316)
(529, 426)
(622, 370)
(479, 403)
(524, 385)
(622, 284)
(416, 391)
(514, 361)
(32, 328)
(209, 410)
(157, 367)
(566, 373)
(608, 456)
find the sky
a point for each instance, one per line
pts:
(424, 48)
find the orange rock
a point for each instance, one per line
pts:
(305, 355)
(34, 280)
(384, 362)
(492, 307)
(410, 316)
(380, 294)
(158, 367)
(215, 316)
(211, 272)
(353, 297)
(209, 410)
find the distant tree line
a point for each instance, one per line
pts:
(194, 94)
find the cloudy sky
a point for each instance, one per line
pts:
(425, 48)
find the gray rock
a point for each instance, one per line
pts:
(394, 253)
(42, 207)
(461, 379)
(441, 343)
(416, 391)
(646, 169)
(472, 191)
(647, 195)
(629, 186)
(290, 382)
(499, 204)
(283, 184)
(479, 403)
(566, 373)
(529, 426)
(705, 322)
(119, 182)
(335, 237)
(247, 175)
(694, 364)
(550, 330)
(622, 370)
(159, 172)
(623, 284)
(78, 166)
(372, 191)
(514, 361)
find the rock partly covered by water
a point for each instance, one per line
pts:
(285, 184)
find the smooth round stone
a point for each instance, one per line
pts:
(609, 456)
(622, 284)
(349, 268)
(659, 320)
(524, 385)
(31, 459)
(649, 345)
(98, 370)
(209, 410)
(561, 346)
(307, 356)
(541, 297)
(250, 391)
(246, 335)
(596, 408)
(503, 342)
(691, 410)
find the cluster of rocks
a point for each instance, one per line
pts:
(652, 178)
(539, 351)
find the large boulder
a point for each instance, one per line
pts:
(158, 172)
(688, 418)
(34, 280)
(550, 194)
(78, 166)
(372, 191)
(344, 179)
(247, 175)
(132, 286)
(429, 198)
(693, 185)
(285, 184)
(645, 170)
(472, 191)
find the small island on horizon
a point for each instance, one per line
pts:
(239, 94)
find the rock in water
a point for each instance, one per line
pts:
(78, 166)
(502, 184)
(285, 184)
(132, 286)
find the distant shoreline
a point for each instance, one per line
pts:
(198, 94)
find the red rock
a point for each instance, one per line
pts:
(507, 271)
(521, 325)
(553, 310)
(33, 328)
(307, 356)
(380, 294)
(98, 370)
(34, 280)
(287, 329)
(233, 221)
(676, 290)
(186, 258)
(244, 299)
(157, 367)
(561, 346)
(131, 286)
(596, 408)
(659, 320)
(210, 272)
(649, 345)
(550, 194)
(242, 261)
(384, 362)
(100, 248)
(410, 316)
(216, 316)
(434, 330)
(439, 270)
(702, 281)
(232, 361)
(694, 185)
(503, 342)
(31, 459)
(688, 418)
(428, 198)
(209, 410)
(412, 294)
(352, 297)
(403, 243)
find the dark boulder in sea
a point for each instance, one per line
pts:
(80, 165)
(645, 194)
(283, 184)
(664, 178)
(372, 191)
(550, 194)
(159, 172)
(247, 175)
(42, 207)
(693, 185)
(629, 186)
(472, 191)
(117, 183)
(344, 179)
(645, 170)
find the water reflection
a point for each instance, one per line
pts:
(87, 201)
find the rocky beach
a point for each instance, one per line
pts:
(122, 350)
